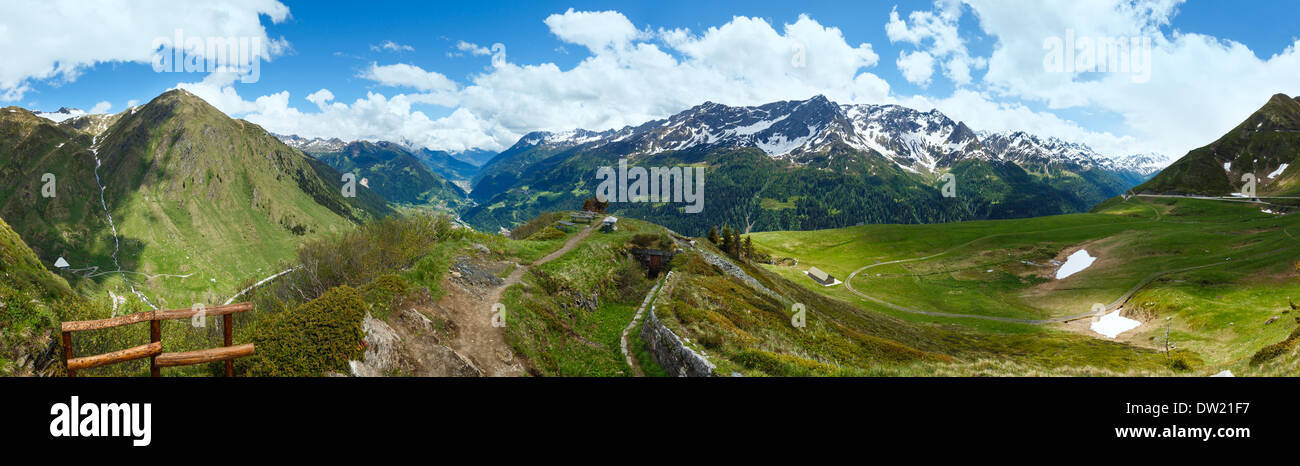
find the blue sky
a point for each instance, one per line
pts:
(337, 46)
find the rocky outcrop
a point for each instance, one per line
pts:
(382, 354)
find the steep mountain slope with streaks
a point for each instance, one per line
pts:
(172, 195)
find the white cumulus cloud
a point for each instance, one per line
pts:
(57, 40)
(593, 29)
(404, 75)
(917, 67)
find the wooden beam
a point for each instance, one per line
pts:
(142, 351)
(83, 325)
(201, 356)
(210, 312)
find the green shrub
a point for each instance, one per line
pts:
(783, 365)
(1180, 363)
(358, 257)
(18, 313)
(547, 234)
(315, 338)
(384, 295)
(1272, 351)
(627, 278)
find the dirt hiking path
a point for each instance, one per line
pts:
(476, 337)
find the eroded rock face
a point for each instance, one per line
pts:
(412, 348)
(383, 355)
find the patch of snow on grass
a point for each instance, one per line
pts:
(1075, 263)
(1113, 324)
(1226, 166)
(1280, 169)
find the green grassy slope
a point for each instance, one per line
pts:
(1245, 271)
(28, 314)
(745, 331)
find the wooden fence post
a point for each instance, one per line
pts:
(155, 336)
(227, 324)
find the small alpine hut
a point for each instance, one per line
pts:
(821, 277)
(609, 224)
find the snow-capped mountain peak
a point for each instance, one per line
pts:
(1146, 164)
(921, 142)
(63, 113)
(313, 144)
(1029, 150)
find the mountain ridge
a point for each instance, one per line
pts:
(872, 150)
(163, 177)
(1265, 144)
(916, 141)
